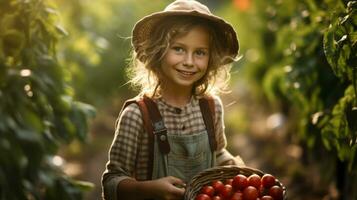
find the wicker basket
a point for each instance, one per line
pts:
(220, 173)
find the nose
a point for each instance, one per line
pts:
(188, 60)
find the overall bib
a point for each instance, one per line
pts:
(189, 154)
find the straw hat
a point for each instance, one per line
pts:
(143, 28)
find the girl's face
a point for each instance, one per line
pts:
(186, 60)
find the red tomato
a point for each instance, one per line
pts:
(218, 186)
(254, 180)
(266, 197)
(237, 196)
(216, 198)
(227, 191)
(276, 192)
(228, 181)
(250, 193)
(240, 182)
(202, 197)
(209, 190)
(268, 180)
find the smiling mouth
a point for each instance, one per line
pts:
(186, 73)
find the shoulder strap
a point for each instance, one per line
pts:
(207, 107)
(154, 126)
(148, 129)
(143, 110)
(159, 129)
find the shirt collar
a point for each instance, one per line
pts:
(178, 110)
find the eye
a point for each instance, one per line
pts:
(201, 52)
(177, 49)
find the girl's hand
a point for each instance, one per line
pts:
(168, 188)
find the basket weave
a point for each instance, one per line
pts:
(220, 173)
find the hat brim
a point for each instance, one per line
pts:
(143, 28)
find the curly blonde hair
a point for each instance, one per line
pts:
(145, 75)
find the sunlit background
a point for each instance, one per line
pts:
(292, 110)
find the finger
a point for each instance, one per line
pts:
(178, 192)
(176, 181)
(179, 186)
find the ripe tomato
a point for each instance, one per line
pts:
(209, 190)
(254, 180)
(202, 197)
(268, 180)
(217, 185)
(250, 193)
(216, 198)
(227, 191)
(266, 197)
(240, 182)
(237, 196)
(276, 192)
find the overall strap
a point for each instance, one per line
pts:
(159, 129)
(148, 128)
(207, 107)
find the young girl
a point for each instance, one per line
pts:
(182, 56)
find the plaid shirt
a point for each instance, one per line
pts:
(128, 155)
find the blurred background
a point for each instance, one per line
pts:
(292, 110)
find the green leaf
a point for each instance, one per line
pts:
(32, 120)
(87, 109)
(330, 49)
(24, 135)
(61, 30)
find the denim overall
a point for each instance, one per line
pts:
(181, 156)
(189, 154)
(173, 154)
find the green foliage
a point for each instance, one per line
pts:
(38, 112)
(99, 44)
(340, 43)
(304, 40)
(307, 65)
(339, 130)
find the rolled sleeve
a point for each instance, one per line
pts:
(110, 186)
(219, 125)
(222, 154)
(123, 152)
